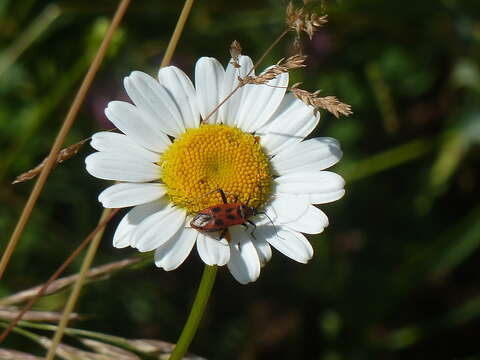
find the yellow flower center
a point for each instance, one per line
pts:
(212, 157)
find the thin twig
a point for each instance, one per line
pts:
(277, 40)
(63, 282)
(72, 299)
(64, 154)
(59, 140)
(240, 84)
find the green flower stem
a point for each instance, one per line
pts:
(198, 308)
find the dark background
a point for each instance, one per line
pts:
(395, 276)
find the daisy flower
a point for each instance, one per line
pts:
(173, 157)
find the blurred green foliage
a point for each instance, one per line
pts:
(396, 273)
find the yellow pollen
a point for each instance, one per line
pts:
(213, 157)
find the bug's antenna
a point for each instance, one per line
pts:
(271, 221)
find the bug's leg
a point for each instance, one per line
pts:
(245, 226)
(253, 230)
(254, 226)
(222, 234)
(222, 194)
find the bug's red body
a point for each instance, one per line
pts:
(221, 217)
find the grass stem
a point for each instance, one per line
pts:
(172, 45)
(52, 278)
(74, 295)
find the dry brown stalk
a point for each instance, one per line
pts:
(235, 52)
(177, 32)
(57, 285)
(68, 352)
(300, 22)
(64, 154)
(329, 103)
(57, 273)
(293, 62)
(11, 312)
(149, 346)
(60, 138)
(159, 348)
(113, 352)
(7, 354)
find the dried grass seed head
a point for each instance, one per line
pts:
(235, 52)
(296, 61)
(299, 22)
(64, 154)
(329, 103)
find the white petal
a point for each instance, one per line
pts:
(262, 231)
(296, 212)
(131, 194)
(158, 228)
(209, 75)
(292, 121)
(154, 102)
(292, 244)
(230, 109)
(213, 251)
(260, 102)
(309, 155)
(173, 253)
(120, 144)
(121, 167)
(263, 248)
(305, 182)
(129, 120)
(244, 263)
(323, 198)
(313, 221)
(123, 234)
(182, 92)
(286, 208)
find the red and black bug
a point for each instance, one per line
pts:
(220, 217)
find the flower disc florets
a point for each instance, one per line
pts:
(212, 157)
